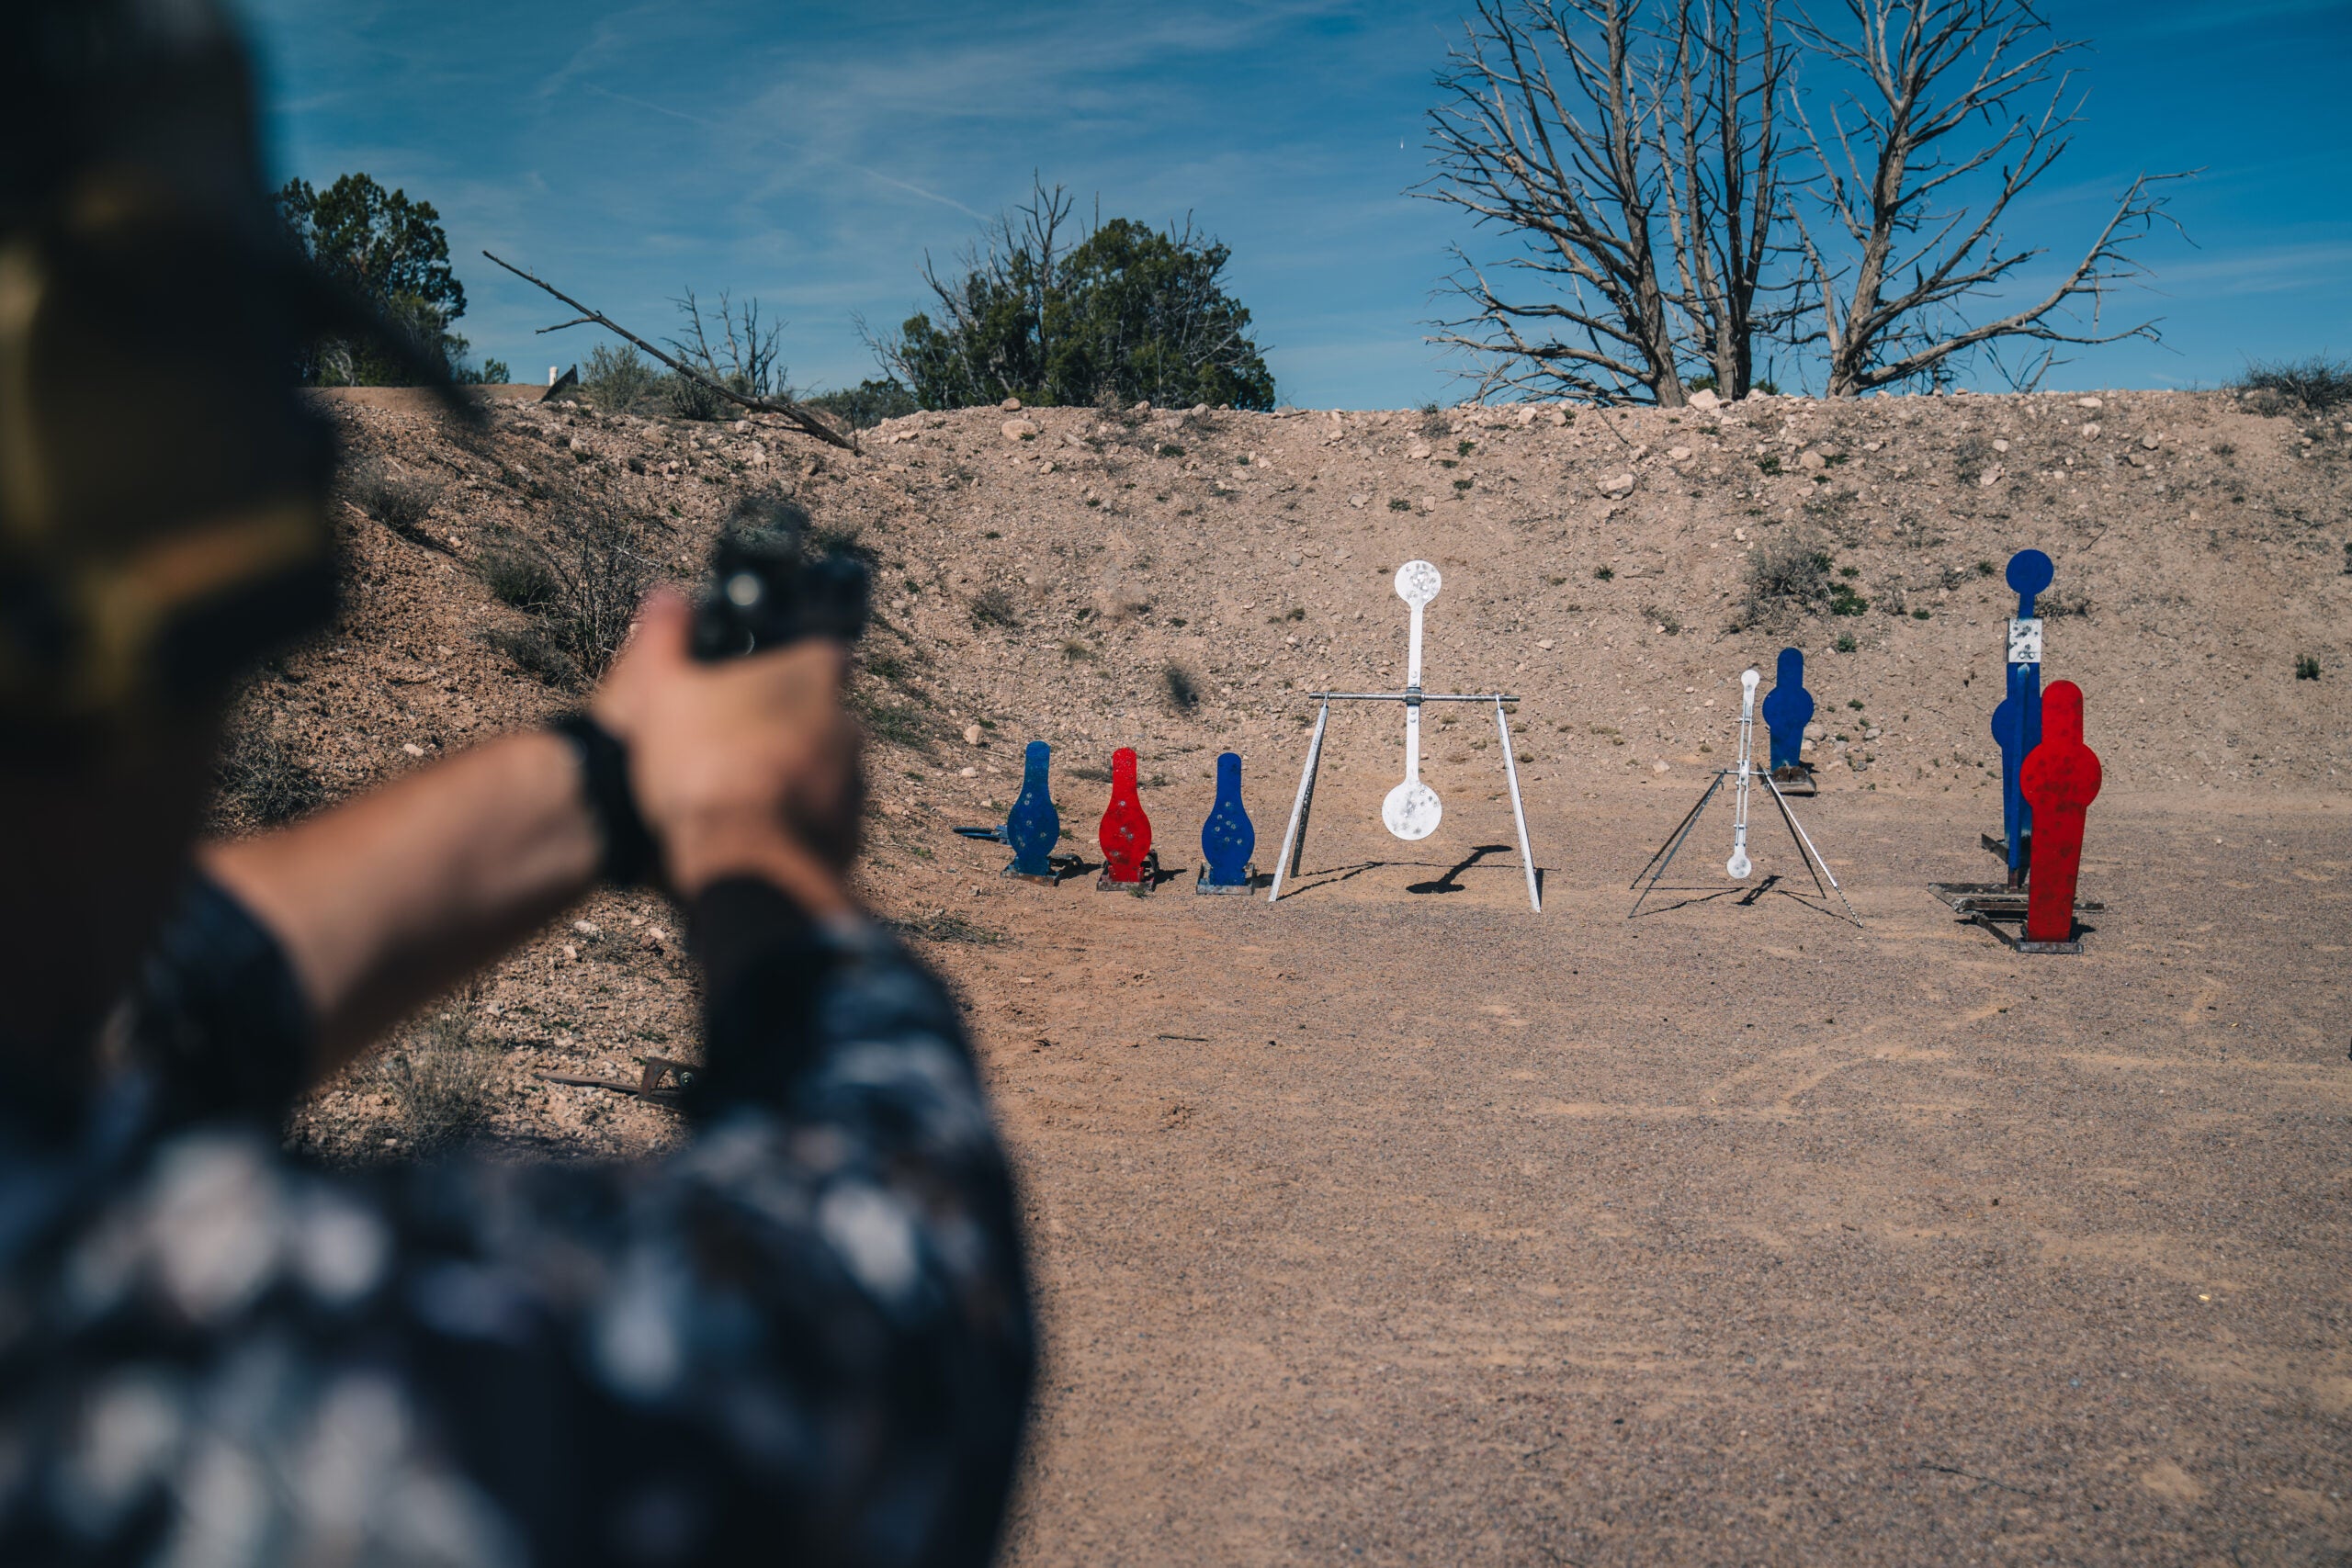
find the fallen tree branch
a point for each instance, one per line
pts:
(792, 414)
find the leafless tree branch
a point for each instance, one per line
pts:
(805, 420)
(1632, 146)
(1920, 74)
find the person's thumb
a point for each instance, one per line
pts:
(656, 648)
(664, 624)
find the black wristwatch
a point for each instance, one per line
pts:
(630, 854)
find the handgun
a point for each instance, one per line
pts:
(767, 587)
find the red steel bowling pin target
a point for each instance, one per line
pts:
(1127, 831)
(2060, 778)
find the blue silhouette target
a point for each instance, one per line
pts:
(1228, 837)
(1033, 827)
(2016, 721)
(1788, 710)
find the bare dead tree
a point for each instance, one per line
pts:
(1893, 174)
(1730, 65)
(747, 355)
(1633, 146)
(795, 416)
(1018, 260)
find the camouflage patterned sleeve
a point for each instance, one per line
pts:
(803, 1337)
(217, 1022)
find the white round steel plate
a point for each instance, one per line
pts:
(1417, 582)
(1411, 810)
(1738, 865)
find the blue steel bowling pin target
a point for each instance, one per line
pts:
(1227, 838)
(1787, 711)
(1033, 827)
(2016, 721)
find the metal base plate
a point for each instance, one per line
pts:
(1064, 866)
(2016, 939)
(1144, 883)
(1997, 898)
(1242, 889)
(1797, 780)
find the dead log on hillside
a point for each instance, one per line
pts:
(795, 416)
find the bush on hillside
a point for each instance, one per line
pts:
(400, 501)
(868, 403)
(1786, 575)
(620, 380)
(2319, 383)
(580, 582)
(260, 781)
(1126, 313)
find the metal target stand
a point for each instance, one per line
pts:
(1411, 811)
(1738, 866)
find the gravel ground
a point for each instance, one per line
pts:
(1389, 1227)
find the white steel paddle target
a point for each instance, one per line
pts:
(1738, 866)
(1412, 810)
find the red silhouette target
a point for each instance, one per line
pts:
(2060, 779)
(1127, 831)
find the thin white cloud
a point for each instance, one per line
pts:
(918, 190)
(604, 92)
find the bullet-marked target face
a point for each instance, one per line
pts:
(1417, 582)
(1411, 810)
(2025, 641)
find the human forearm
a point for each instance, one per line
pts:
(385, 901)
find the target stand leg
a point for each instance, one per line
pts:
(1810, 855)
(1517, 812)
(1663, 857)
(1293, 843)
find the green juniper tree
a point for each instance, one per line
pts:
(1123, 311)
(392, 252)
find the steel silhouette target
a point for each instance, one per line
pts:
(1033, 827)
(1412, 810)
(2061, 779)
(1126, 834)
(1788, 710)
(1738, 865)
(1228, 837)
(2016, 721)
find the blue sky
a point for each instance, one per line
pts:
(810, 154)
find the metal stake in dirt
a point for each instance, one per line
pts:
(1412, 810)
(2016, 722)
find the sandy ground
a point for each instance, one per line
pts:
(1397, 1227)
(1395, 1224)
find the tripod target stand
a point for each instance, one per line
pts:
(1739, 866)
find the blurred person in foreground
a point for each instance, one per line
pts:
(803, 1336)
